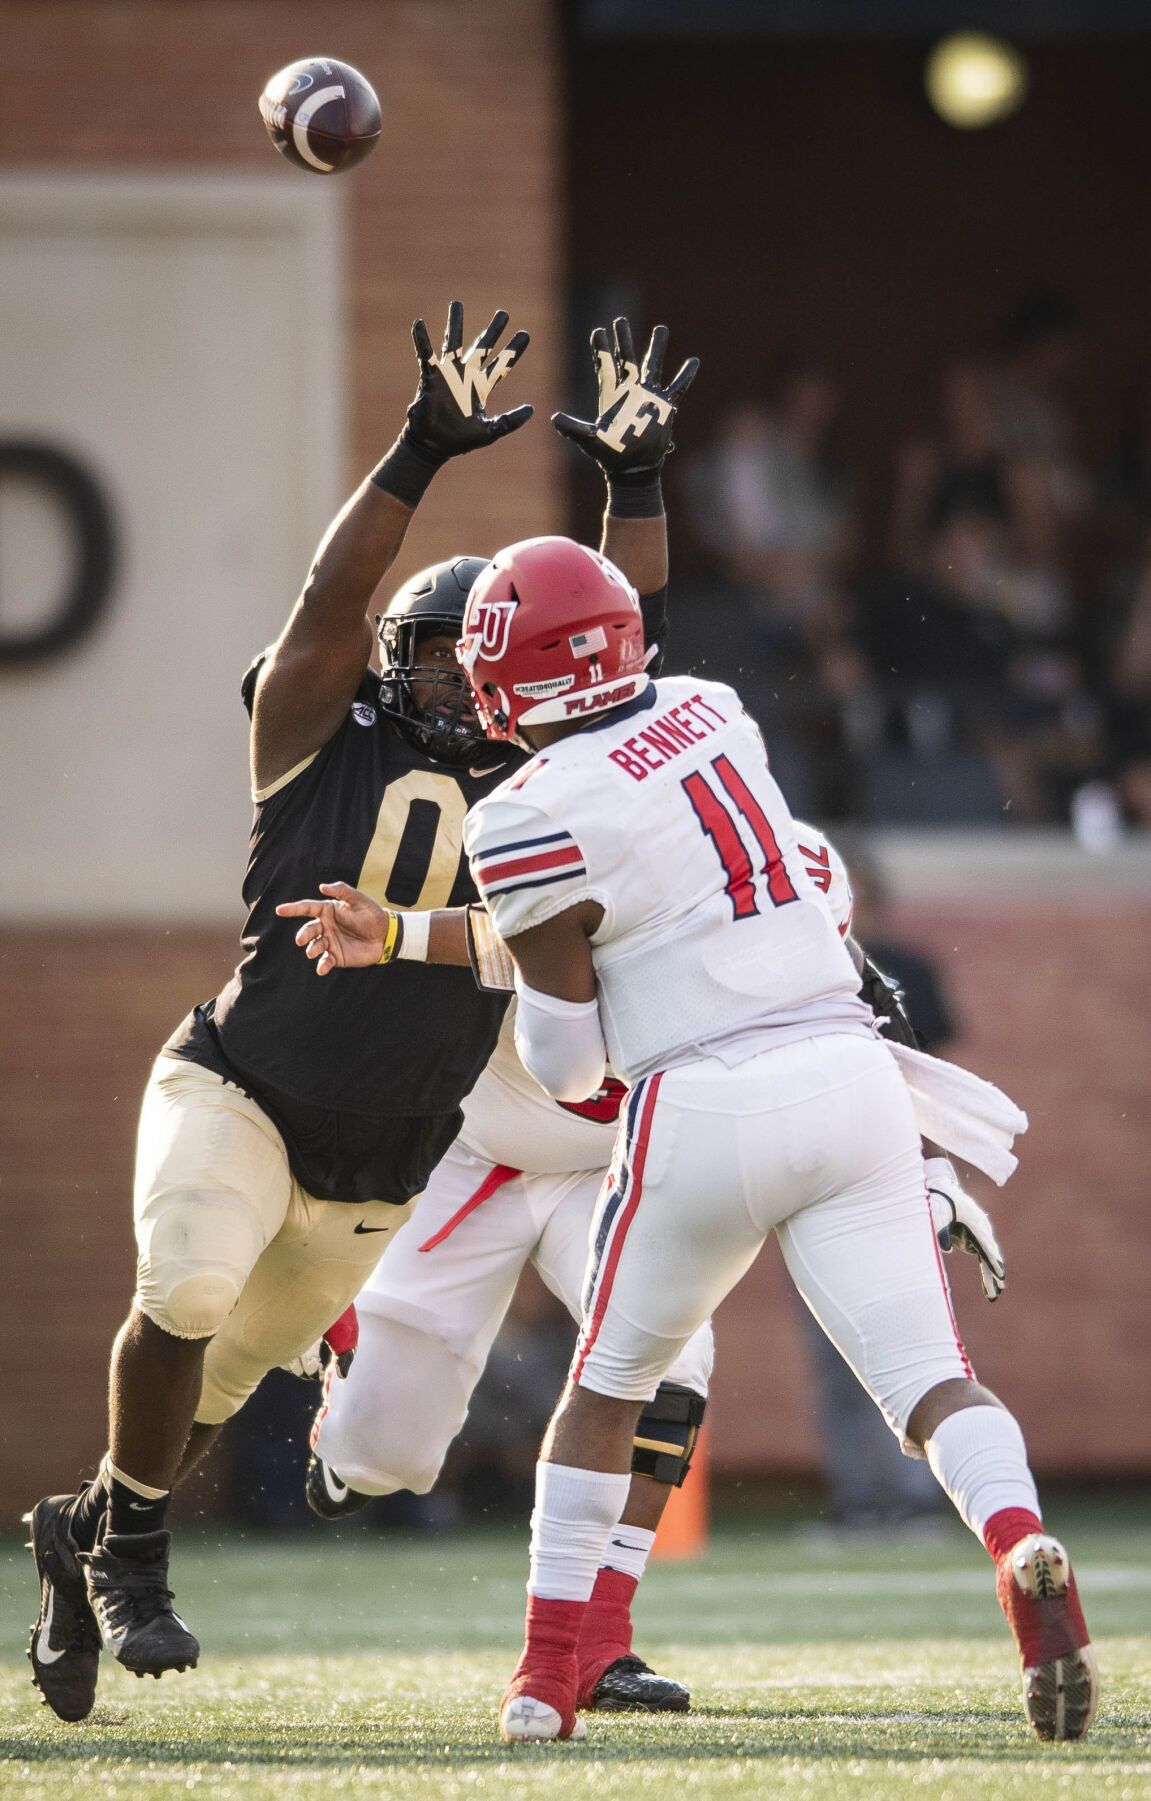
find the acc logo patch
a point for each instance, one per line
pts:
(362, 713)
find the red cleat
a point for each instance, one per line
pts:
(1037, 1592)
(540, 1701)
(527, 1713)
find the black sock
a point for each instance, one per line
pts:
(131, 1512)
(86, 1515)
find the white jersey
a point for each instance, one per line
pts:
(510, 1119)
(714, 941)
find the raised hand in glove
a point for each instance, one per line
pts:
(448, 416)
(631, 433)
(958, 1220)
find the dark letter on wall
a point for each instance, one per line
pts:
(86, 515)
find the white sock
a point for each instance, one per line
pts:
(574, 1513)
(628, 1549)
(979, 1458)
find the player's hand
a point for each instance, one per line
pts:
(338, 1346)
(631, 432)
(344, 931)
(448, 416)
(959, 1220)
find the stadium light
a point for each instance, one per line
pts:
(973, 80)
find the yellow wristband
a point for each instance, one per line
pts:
(393, 938)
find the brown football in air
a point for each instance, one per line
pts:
(321, 114)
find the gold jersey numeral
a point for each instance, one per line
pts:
(447, 797)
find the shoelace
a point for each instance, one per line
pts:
(142, 1595)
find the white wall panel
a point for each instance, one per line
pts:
(182, 336)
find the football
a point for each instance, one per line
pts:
(321, 114)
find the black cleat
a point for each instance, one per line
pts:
(327, 1495)
(65, 1646)
(127, 1580)
(629, 1686)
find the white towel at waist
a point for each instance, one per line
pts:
(969, 1117)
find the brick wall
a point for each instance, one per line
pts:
(1054, 1006)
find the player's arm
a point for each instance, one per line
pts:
(558, 1033)
(311, 674)
(534, 881)
(630, 438)
(345, 929)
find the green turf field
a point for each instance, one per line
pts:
(352, 1667)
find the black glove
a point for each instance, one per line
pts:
(885, 998)
(631, 434)
(447, 417)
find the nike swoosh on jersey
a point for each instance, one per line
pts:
(362, 1228)
(141, 1506)
(44, 1651)
(477, 773)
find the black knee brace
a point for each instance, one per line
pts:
(666, 1434)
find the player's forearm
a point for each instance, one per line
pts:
(438, 936)
(637, 545)
(447, 937)
(358, 549)
(560, 1043)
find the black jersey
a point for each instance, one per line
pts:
(362, 1072)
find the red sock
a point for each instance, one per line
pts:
(606, 1632)
(547, 1669)
(1004, 1529)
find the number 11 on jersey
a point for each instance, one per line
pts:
(716, 820)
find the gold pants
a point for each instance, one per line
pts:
(230, 1246)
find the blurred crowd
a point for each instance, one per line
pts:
(966, 636)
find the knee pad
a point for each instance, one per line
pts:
(666, 1434)
(195, 1307)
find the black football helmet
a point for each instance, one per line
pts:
(445, 725)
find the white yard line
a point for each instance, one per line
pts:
(1093, 1577)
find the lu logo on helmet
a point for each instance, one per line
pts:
(489, 628)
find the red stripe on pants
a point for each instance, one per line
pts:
(495, 1178)
(637, 1159)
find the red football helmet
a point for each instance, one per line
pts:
(552, 631)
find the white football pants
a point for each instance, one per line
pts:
(816, 1140)
(430, 1312)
